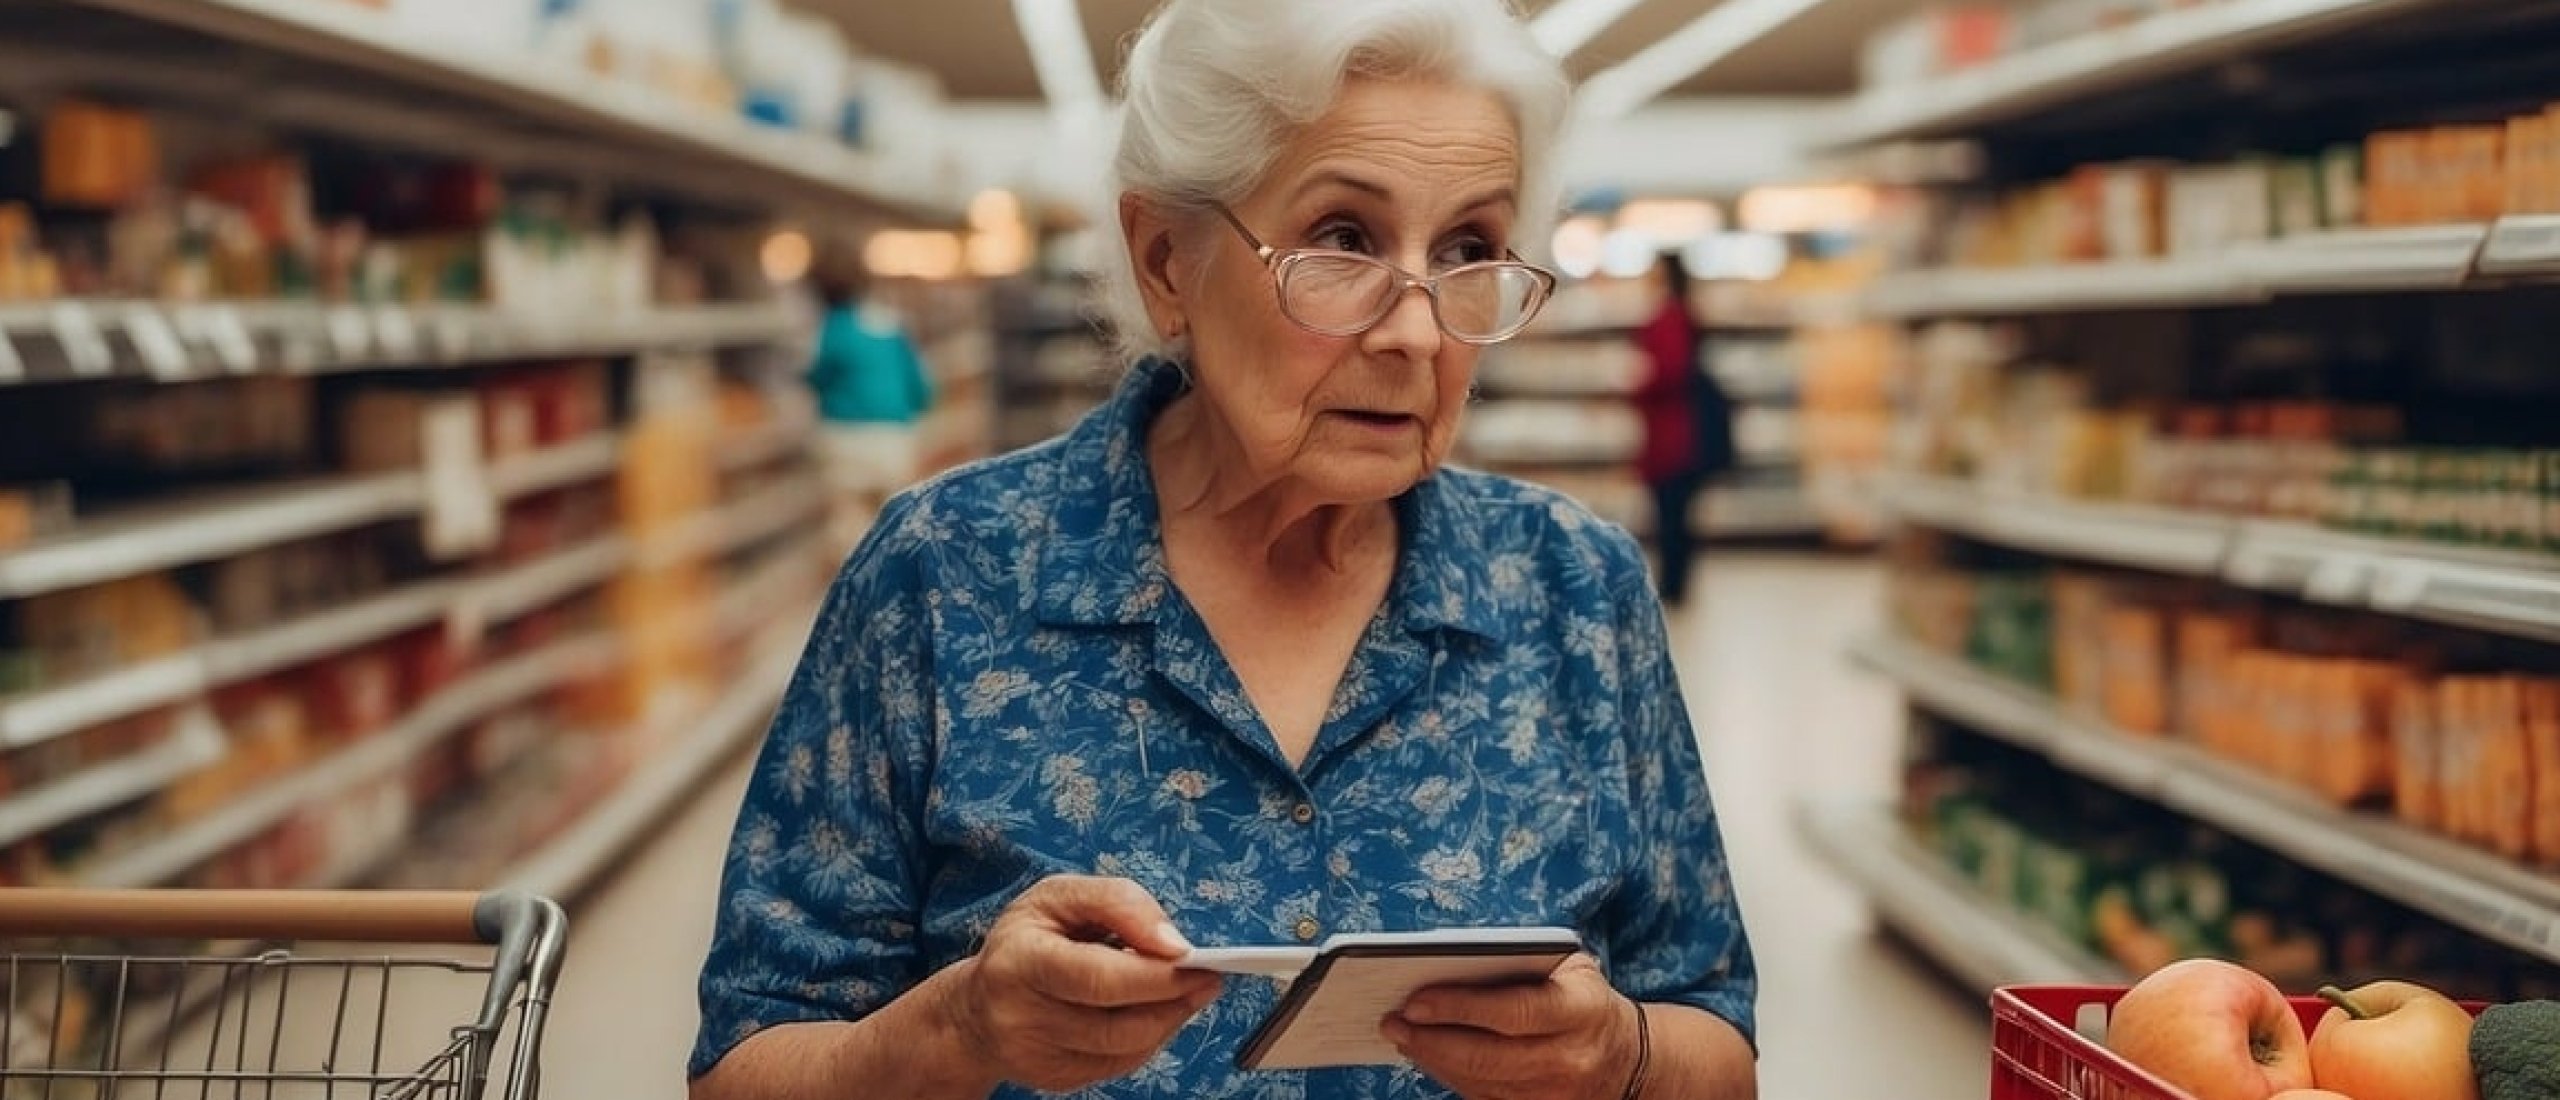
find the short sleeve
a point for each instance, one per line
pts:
(1673, 932)
(820, 893)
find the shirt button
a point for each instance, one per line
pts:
(1308, 929)
(1303, 813)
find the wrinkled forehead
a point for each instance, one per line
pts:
(1410, 143)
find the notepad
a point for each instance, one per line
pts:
(1342, 990)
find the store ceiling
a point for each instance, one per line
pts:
(977, 49)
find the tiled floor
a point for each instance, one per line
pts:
(1844, 1014)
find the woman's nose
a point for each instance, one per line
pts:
(1409, 328)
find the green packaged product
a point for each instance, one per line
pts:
(2515, 1051)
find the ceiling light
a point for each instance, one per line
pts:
(1568, 25)
(1062, 59)
(1807, 209)
(786, 256)
(1615, 92)
(1577, 246)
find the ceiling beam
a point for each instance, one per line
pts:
(1730, 26)
(1569, 25)
(1054, 33)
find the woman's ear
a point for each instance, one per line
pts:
(1148, 235)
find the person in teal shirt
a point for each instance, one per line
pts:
(872, 388)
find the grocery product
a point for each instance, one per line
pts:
(2393, 1041)
(2215, 1029)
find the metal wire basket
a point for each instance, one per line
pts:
(117, 1024)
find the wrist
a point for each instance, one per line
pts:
(955, 1043)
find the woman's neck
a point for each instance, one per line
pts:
(1205, 492)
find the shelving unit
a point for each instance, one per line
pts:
(2202, 375)
(1979, 941)
(2079, 70)
(2337, 262)
(657, 139)
(1583, 366)
(2465, 887)
(2507, 592)
(87, 339)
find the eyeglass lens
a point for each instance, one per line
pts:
(1348, 293)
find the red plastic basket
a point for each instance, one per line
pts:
(2038, 1053)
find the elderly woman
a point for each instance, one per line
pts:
(1238, 660)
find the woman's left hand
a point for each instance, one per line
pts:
(1571, 1035)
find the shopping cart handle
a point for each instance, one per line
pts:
(347, 916)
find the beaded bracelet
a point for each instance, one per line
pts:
(1644, 1052)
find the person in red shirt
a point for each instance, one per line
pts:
(1688, 427)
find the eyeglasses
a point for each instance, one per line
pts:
(1335, 293)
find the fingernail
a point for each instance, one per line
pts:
(1397, 1031)
(1421, 1013)
(1173, 937)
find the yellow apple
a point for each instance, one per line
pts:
(2393, 1041)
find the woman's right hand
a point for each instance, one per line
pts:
(1048, 1004)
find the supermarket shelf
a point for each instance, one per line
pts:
(1956, 292)
(788, 435)
(222, 524)
(2083, 68)
(1982, 942)
(696, 747)
(2523, 245)
(768, 511)
(2334, 262)
(448, 712)
(2149, 538)
(690, 141)
(39, 716)
(2464, 887)
(2502, 591)
(28, 813)
(115, 338)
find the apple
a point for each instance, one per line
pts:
(2393, 1041)
(2217, 1030)
(2311, 1094)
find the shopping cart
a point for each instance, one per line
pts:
(125, 1025)
(2047, 1044)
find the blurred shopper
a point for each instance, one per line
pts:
(1239, 660)
(872, 388)
(1688, 427)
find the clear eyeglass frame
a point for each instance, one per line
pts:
(1293, 268)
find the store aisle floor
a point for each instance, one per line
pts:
(1844, 1015)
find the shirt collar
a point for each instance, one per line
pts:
(1105, 565)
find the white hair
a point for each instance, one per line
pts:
(1213, 89)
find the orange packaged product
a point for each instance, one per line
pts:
(2458, 742)
(2542, 740)
(2386, 188)
(2415, 794)
(2136, 681)
(2507, 771)
(2353, 758)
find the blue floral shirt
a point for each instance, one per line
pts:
(1005, 684)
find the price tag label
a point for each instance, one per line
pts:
(221, 329)
(2337, 581)
(158, 344)
(83, 344)
(2523, 243)
(2399, 589)
(2250, 570)
(396, 332)
(350, 335)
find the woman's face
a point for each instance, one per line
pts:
(1420, 175)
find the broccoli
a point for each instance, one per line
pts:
(2515, 1051)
